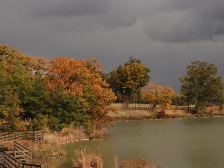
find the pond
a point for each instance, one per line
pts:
(178, 143)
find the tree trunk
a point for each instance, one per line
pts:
(154, 107)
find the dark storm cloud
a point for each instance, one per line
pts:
(165, 34)
(187, 20)
(163, 20)
(106, 14)
(66, 8)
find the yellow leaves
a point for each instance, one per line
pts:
(157, 94)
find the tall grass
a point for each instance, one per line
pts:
(115, 162)
(98, 134)
(67, 135)
(85, 158)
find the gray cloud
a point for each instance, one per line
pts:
(66, 8)
(165, 34)
(184, 21)
(164, 20)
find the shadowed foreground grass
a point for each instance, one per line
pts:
(85, 158)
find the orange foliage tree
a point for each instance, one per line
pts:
(157, 95)
(83, 78)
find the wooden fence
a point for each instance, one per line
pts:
(21, 151)
(10, 136)
(17, 158)
(157, 108)
(33, 135)
(10, 161)
(25, 135)
(29, 165)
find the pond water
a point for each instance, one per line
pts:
(186, 143)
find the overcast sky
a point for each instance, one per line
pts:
(166, 35)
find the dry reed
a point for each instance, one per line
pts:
(86, 158)
(98, 134)
(115, 162)
(67, 135)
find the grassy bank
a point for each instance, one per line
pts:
(141, 115)
(173, 112)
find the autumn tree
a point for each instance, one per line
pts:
(202, 85)
(61, 92)
(16, 81)
(82, 83)
(21, 76)
(156, 94)
(129, 79)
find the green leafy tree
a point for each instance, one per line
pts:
(22, 85)
(39, 96)
(129, 79)
(66, 109)
(38, 99)
(9, 104)
(177, 100)
(16, 81)
(202, 85)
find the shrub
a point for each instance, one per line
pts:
(161, 114)
(98, 134)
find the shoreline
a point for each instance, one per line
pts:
(131, 115)
(120, 119)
